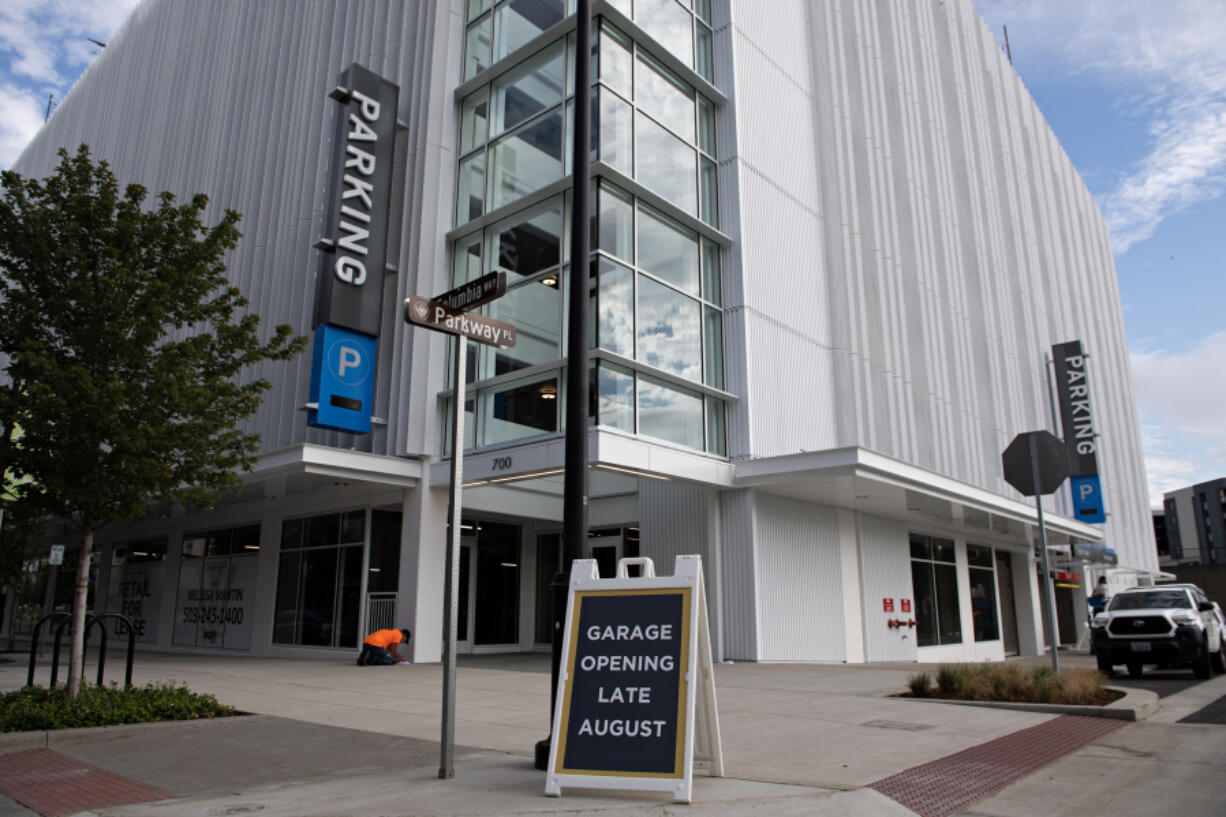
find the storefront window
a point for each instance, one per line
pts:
(137, 582)
(982, 574)
(934, 580)
(319, 580)
(218, 576)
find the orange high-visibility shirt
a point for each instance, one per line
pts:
(384, 638)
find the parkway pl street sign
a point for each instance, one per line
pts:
(434, 315)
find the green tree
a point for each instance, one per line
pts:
(128, 352)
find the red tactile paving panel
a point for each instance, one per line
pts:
(950, 784)
(55, 785)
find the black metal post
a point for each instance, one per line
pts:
(574, 497)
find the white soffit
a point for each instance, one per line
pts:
(869, 482)
(336, 463)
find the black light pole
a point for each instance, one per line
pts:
(574, 497)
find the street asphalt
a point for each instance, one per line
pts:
(330, 738)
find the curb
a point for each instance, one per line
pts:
(14, 742)
(1136, 705)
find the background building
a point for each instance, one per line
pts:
(833, 246)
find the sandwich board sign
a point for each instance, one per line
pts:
(636, 691)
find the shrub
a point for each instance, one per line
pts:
(1014, 682)
(919, 684)
(950, 679)
(38, 708)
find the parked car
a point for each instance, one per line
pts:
(1169, 625)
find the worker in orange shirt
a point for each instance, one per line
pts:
(380, 648)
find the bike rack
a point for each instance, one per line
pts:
(90, 621)
(34, 637)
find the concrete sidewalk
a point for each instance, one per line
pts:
(797, 738)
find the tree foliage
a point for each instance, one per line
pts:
(127, 347)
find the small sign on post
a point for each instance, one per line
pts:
(57, 555)
(636, 691)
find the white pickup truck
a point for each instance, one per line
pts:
(1168, 624)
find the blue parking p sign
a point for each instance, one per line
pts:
(342, 379)
(1087, 498)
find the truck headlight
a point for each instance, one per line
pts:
(1183, 618)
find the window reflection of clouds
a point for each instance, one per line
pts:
(670, 24)
(616, 310)
(669, 413)
(664, 97)
(669, 333)
(668, 251)
(615, 397)
(666, 164)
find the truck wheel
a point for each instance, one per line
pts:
(1202, 665)
(1134, 669)
(1104, 666)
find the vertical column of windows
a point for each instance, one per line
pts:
(655, 291)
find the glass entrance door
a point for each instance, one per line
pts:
(606, 549)
(489, 586)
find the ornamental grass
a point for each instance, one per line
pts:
(1013, 683)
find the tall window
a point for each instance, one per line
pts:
(319, 580)
(934, 579)
(983, 592)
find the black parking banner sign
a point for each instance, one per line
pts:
(636, 692)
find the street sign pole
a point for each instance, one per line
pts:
(1048, 590)
(451, 591)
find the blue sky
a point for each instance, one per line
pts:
(1134, 89)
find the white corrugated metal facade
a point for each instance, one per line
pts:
(902, 240)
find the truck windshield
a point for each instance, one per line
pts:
(1156, 599)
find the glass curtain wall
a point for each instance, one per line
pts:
(656, 322)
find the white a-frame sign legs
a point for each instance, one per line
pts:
(636, 691)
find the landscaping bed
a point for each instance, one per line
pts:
(1012, 683)
(36, 708)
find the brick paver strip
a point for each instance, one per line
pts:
(951, 784)
(55, 785)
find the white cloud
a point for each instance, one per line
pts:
(44, 46)
(23, 115)
(1180, 395)
(1168, 60)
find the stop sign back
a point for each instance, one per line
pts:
(1050, 456)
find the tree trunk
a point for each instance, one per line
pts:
(80, 592)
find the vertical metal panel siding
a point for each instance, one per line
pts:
(229, 99)
(739, 574)
(885, 570)
(672, 523)
(932, 249)
(801, 577)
